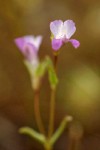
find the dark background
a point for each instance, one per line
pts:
(78, 92)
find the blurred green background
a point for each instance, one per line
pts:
(78, 92)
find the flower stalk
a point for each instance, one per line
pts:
(52, 113)
(55, 62)
(52, 103)
(37, 112)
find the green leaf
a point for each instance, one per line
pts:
(52, 74)
(41, 69)
(38, 73)
(52, 78)
(29, 67)
(60, 130)
(32, 133)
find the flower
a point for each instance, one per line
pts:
(62, 32)
(29, 46)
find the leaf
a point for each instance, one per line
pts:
(39, 72)
(52, 78)
(29, 67)
(41, 69)
(52, 74)
(32, 133)
(60, 129)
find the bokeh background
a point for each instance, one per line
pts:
(78, 92)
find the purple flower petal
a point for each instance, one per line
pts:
(29, 45)
(20, 43)
(56, 44)
(69, 28)
(56, 28)
(75, 43)
(30, 52)
(36, 41)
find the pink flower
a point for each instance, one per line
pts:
(62, 32)
(29, 46)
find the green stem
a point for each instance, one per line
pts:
(52, 104)
(52, 113)
(37, 112)
(47, 145)
(55, 62)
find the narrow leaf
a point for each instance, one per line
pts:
(32, 133)
(60, 130)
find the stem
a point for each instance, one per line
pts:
(52, 104)
(37, 112)
(48, 146)
(52, 113)
(55, 62)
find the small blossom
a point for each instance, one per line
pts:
(62, 32)
(29, 46)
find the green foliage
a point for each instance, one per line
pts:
(29, 67)
(41, 69)
(32, 133)
(60, 129)
(52, 74)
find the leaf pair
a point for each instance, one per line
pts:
(38, 73)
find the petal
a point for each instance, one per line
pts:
(29, 45)
(30, 52)
(56, 44)
(36, 41)
(29, 39)
(69, 28)
(75, 43)
(26, 46)
(23, 42)
(56, 28)
(20, 44)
